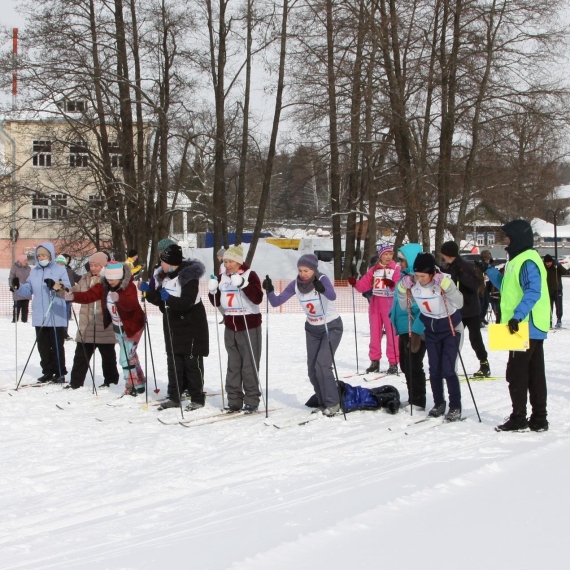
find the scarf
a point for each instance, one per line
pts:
(307, 286)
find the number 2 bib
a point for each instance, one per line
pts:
(379, 289)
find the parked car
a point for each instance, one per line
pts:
(565, 262)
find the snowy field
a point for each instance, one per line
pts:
(92, 486)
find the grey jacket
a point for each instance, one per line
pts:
(22, 272)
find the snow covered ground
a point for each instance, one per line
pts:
(92, 486)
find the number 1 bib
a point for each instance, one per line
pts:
(429, 301)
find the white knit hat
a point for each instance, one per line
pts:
(234, 253)
(114, 270)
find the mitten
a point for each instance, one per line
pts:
(144, 286)
(212, 284)
(352, 281)
(164, 294)
(268, 285)
(513, 325)
(238, 281)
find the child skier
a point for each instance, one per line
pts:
(118, 296)
(185, 325)
(315, 293)
(439, 302)
(412, 346)
(46, 283)
(382, 279)
(238, 291)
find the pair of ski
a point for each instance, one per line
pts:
(212, 418)
(377, 376)
(121, 401)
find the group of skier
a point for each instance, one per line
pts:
(420, 308)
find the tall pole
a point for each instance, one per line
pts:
(554, 217)
(14, 68)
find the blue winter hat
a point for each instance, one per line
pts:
(308, 260)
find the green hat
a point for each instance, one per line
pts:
(164, 243)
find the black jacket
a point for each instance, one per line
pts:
(554, 275)
(188, 321)
(468, 279)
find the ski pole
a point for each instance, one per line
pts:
(355, 335)
(458, 351)
(173, 361)
(219, 353)
(88, 360)
(410, 361)
(254, 362)
(156, 388)
(94, 341)
(17, 315)
(267, 355)
(332, 356)
(35, 342)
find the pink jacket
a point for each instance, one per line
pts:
(368, 281)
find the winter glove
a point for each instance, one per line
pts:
(407, 282)
(144, 286)
(482, 265)
(11, 289)
(212, 284)
(319, 287)
(238, 281)
(15, 283)
(513, 325)
(69, 296)
(58, 286)
(415, 342)
(49, 283)
(352, 281)
(164, 294)
(267, 285)
(442, 280)
(114, 296)
(388, 283)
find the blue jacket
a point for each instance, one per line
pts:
(398, 316)
(530, 283)
(42, 295)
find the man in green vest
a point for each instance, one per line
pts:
(524, 297)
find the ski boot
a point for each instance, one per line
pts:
(392, 369)
(453, 415)
(249, 409)
(438, 410)
(193, 406)
(484, 370)
(374, 366)
(331, 411)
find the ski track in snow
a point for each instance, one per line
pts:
(111, 494)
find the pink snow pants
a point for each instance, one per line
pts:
(379, 318)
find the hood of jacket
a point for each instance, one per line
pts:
(520, 235)
(410, 251)
(189, 269)
(127, 277)
(49, 246)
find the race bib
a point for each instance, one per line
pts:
(429, 301)
(379, 289)
(313, 310)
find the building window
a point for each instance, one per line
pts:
(78, 154)
(49, 206)
(72, 106)
(96, 202)
(490, 239)
(41, 156)
(115, 154)
(480, 239)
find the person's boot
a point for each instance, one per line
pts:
(374, 366)
(438, 410)
(558, 324)
(453, 415)
(484, 370)
(392, 369)
(536, 424)
(514, 423)
(332, 411)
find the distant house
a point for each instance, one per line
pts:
(482, 224)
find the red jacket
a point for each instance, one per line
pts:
(128, 305)
(253, 292)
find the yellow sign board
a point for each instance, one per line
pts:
(500, 338)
